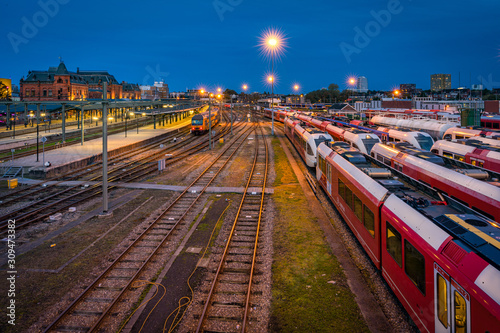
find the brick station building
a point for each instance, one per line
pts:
(58, 84)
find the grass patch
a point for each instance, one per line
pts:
(284, 172)
(310, 290)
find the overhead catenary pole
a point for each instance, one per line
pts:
(37, 129)
(83, 122)
(63, 113)
(210, 127)
(104, 148)
(272, 94)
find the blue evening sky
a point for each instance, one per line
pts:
(210, 43)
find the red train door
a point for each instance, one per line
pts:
(451, 304)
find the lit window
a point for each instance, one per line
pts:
(393, 243)
(442, 304)
(415, 266)
(460, 314)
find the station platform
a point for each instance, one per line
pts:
(75, 156)
(27, 135)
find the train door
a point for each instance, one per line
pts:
(451, 304)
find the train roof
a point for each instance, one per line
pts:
(472, 232)
(488, 190)
(420, 153)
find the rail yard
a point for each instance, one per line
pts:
(230, 230)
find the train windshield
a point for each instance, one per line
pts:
(369, 143)
(319, 141)
(425, 142)
(197, 121)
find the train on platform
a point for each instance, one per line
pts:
(464, 185)
(473, 152)
(200, 123)
(441, 259)
(306, 139)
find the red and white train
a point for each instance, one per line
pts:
(480, 196)
(441, 261)
(470, 151)
(359, 139)
(306, 139)
(279, 114)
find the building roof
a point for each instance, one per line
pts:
(80, 77)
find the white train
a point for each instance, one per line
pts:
(359, 139)
(306, 139)
(434, 128)
(420, 140)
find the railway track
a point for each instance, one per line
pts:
(232, 302)
(88, 312)
(74, 195)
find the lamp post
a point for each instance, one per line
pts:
(352, 83)
(219, 96)
(296, 88)
(272, 44)
(126, 117)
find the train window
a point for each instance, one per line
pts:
(329, 172)
(458, 137)
(348, 197)
(341, 189)
(393, 243)
(415, 266)
(309, 149)
(449, 155)
(460, 313)
(358, 207)
(442, 302)
(459, 157)
(369, 221)
(477, 162)
(496, 125)
(321, 164)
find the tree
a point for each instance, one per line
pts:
(228, 93)
(4, 92)
(329, 95)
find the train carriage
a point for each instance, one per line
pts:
(476, 194)
(305, 139)
(479, 154)
(359, 204)
(200, 123)
(359, 139)
(435, 129)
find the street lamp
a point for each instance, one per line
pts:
(272, 44)
(296, 88)
(352, 83)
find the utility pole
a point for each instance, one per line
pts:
(104, 148)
